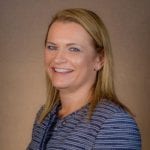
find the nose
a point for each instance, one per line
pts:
(60, 57)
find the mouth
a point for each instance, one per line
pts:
(62, 70)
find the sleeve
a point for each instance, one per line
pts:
(120, 132)
(34, 128)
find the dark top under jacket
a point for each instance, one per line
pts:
(110, 128)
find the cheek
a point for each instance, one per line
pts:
(85, 63)
(77, 60)
(47, 58)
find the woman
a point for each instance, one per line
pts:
(82, 110)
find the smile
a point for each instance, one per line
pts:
(62, 70)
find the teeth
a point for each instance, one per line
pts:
(61, 70)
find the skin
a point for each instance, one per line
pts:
(71, 63)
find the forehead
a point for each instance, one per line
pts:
(70, 30)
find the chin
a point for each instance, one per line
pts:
(60, 86)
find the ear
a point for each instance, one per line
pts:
(99, 62)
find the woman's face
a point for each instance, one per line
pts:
(70, 57)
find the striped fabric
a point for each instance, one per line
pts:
(110, 128)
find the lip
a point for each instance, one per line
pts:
(61, 70)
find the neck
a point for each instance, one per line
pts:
(72, 102)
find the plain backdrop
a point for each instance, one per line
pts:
(23, 25)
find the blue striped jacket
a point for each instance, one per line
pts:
(110, 128)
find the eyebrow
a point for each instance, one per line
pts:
(50, 43)
(68, 44)
(71, 44)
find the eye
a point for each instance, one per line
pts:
(74, 49)
(51, 47)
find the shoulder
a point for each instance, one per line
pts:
(114, 116)
(119, 128)
(108, 106)
(108, 109)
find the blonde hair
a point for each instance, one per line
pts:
(104, 85)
